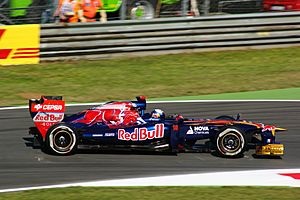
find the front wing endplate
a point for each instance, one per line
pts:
(270, 150)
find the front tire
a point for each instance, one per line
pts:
(61, 139)
(231, 142)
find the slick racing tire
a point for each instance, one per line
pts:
(61, 139)
(231, 142)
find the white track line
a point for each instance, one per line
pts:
(154, 102)
(237, 178)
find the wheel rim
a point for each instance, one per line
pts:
(230, 142)
(62, 140)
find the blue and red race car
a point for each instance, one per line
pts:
(125, 125)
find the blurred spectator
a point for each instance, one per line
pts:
(67, 10)
(48, 13)
(194, 8)
(88, 11)
(30, 11)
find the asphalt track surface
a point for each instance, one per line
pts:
(23, 166)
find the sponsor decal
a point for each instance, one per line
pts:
(198, 130)
(140, 134)
(268, 128)
(109, 134)
(112, 107)
(2, 31)
(38, 106)
(19, 53)
(48, 107)
(14, 49)
(4, 53)
(47, 124)
(48, 117)
(97, 135)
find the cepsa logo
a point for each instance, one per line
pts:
(48, 107)
(141, 134)
(48, 117)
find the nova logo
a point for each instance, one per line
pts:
(198, 130)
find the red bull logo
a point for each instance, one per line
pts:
(48, 117)
(141, 134)
(268, 128)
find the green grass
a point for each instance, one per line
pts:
(158, 193)
(279, 94)
(155, 76)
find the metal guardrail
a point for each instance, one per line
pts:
(160, 36)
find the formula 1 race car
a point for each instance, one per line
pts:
(125, 125)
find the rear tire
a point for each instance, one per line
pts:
(231, 142)
(61, 139)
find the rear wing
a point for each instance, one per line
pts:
(46, 111)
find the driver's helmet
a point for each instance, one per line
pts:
(157, 114)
